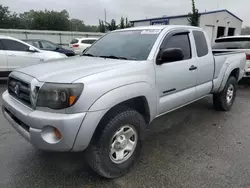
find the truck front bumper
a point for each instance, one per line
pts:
(39, 127)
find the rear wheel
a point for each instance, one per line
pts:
(115, 149)
(224, 100)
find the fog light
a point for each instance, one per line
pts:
(58, 133)
(51, 134)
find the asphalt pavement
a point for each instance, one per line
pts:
(195, 146)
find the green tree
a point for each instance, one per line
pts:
(8, 20)
(194, 17)
(77, 25)
(14, 21)
(101, 26)
(112, 26)
(50, 20)
(245, 30)
(127, 23)
(42, 20)
(26, 19)
(122, 24)
(4, 16)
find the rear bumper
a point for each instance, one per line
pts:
(247, 69)
(38, 127)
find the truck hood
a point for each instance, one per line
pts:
(67, 70)
(47, 55)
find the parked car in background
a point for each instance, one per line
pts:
(102, 101)
(50, 46)
(81, 44)
(240, 43)
(15, 53)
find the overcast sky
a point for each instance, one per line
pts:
(91, 10)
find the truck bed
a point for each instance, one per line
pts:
(222, 60)
(224, 52)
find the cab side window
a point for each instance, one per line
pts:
(13, 45)
(179, 41)
(201, 43)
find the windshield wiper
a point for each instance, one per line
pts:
(88, 55)
(113, 57)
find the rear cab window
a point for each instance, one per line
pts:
(201, 43)
(232, 43)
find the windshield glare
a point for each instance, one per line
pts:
(130, 45)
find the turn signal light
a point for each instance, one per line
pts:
(72, 100)
(58, 134)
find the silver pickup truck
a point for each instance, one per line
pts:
(103, 101)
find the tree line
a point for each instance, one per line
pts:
(53, 20)
(124, 23)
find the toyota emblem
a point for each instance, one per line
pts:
(17, 89)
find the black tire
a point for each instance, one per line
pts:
(98, 152)
(220, 99)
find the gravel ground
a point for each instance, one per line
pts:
(195, 146)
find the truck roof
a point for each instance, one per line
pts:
(161, 27)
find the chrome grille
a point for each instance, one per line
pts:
(19, 90)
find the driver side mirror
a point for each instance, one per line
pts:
(32, 49)
(170, 55)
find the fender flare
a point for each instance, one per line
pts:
(126, 92)
(108, 100)
(230, 68)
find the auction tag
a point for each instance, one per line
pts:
(150, 31)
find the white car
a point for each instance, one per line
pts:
(240, 43)
(78, 45)
(15, 53)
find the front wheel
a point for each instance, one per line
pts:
(224, 100)
(116, 147)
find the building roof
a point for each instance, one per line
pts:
(185, 15)
(157, 27)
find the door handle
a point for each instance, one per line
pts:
(192, 68)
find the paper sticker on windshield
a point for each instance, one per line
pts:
(150, 31)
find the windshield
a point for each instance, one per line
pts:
(232, 43)
(131, 45)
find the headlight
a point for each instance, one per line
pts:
(58, 96)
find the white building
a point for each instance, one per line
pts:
(216, 23)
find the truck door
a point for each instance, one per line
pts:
(176, 81)
(205, 64)
(3, 63)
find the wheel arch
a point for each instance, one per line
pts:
(235, 72)
(139, 96)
